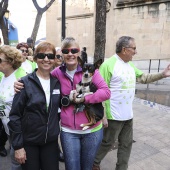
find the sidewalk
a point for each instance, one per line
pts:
(151, 151)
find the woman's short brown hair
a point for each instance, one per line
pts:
(23, 44)
(43, 46)
(13, 55)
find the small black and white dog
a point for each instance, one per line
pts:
(94, 112)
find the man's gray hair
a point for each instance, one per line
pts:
(123, 41)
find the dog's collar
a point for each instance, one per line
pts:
(84, 84)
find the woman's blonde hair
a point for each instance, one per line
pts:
(12, 55)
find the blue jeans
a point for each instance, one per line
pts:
(80, 149)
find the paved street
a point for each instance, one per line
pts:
(151, 151)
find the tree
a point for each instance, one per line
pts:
(3, 21)
(40, 12)
(100, 29)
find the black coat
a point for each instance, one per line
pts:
(30, 121)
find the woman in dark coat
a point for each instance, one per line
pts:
(34, 122)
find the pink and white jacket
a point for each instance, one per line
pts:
(72, 120)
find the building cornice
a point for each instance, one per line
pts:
(80, 16)
(135, 4)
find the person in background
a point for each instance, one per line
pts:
(10, 62)
(3, 140)
(27, 65)
(84, 55)
(57, 63)
(121, 75)
(30, 44)
(34, 121)
(30, 56)
(59, 58)
(31, 49)
(3, 135)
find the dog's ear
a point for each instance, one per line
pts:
(80, 61)
(98, 63)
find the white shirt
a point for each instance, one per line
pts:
(6, 98)
(46, 87)
(27, 66)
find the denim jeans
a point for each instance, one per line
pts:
(80, 149)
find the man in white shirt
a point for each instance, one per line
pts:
(121, 75)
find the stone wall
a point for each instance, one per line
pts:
(149, 24)
(79, 22)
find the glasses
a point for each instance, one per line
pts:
(72, 50)
(58, 56)
(24, 51)
(134, 48)
(2, 60)
(43, 55)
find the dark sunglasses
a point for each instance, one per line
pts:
(43, 55)
(24, 51)
(72, 50)
(2, 60)
(58, 56)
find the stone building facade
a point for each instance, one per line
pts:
(147, 21)
(79, 22)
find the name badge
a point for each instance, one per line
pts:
(56, 91)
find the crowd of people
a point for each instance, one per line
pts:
(33, 117)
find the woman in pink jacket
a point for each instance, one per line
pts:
(79, 146)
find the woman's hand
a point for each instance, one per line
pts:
(20, 155)
(18, 86)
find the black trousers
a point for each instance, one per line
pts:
(44, 157)
(3, 135)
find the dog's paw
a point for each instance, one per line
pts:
(84, 127)
(78, 100)
(88, 93)
(79, 96)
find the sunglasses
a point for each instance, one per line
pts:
(58, 56)
(24, 51)
(72, 50)
(43, 55)
(2, 60)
